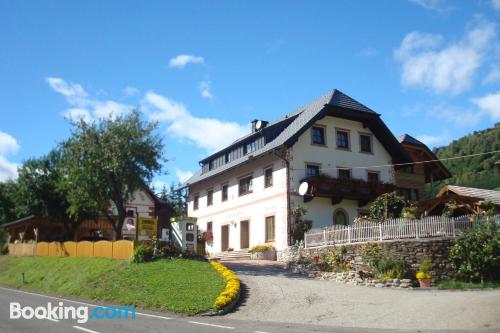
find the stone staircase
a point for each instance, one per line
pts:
(232, 255)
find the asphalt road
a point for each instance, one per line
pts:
(144, 321)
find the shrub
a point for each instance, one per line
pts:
(261, 248)
(477, 254)
(386, 267)
(387, 205)
(300, 226)
(142, 253)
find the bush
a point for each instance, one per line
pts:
(261, 248)
(386, 267)
(477, 253)
(142, 253)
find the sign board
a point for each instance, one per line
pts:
(129, 227)
(146, 228)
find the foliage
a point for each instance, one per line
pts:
(449, 208)
(232, 289)
(178, 199)
(142, 253)
(333, 260)
(173, 285)
(425, 266)
(409, 213)
(477, 253)
(423, 276)
(386, 267)
(108, 160)
(387, 205)
(300, 226)
(478, 171)
(261, 248)
(463, 285)
(488, 208)
(8, 197)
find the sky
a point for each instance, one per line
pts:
(205, 69)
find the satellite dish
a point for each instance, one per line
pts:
(258, 125)
(304, 186)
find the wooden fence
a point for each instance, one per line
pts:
(431, 226)
(121, 249)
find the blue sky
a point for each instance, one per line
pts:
(205, 69)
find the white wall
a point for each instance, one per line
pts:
(140, 201)
(320, 210)
(255, 207)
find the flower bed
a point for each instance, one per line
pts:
(231, 292)
(263, 252)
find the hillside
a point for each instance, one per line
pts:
(478, 171)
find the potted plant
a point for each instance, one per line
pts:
(424, 275)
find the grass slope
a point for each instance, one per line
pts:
(178, 285)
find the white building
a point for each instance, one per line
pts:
(244, 194)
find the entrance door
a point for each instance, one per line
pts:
(224, 237)
(244, 235)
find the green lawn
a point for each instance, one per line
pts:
(462, 285)
(178, 285)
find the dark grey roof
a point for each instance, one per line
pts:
(297, 121)
(408, 139)
(478, 193)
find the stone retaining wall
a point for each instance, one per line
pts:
(413, 251)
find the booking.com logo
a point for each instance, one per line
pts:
(81, 314)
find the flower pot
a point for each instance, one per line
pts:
(425, 283)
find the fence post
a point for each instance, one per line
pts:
(305, 240)
(380, 230)
(349, 234)
(416, 229)
(324, 236)
(453, 226)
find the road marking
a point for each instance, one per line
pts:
(83, 303)
(84, 329)
(213, 325)
(54, 320)
(260, 332)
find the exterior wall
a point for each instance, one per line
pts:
(255, 207)
(415, 181)
(320, 210)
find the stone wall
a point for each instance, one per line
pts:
(412, 251)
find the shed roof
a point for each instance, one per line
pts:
(476, 193)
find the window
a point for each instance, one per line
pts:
(312, 170)
(268, 177)
(210, 165)
(249, 147)
(410, 194)
(408, 169)
(196, 202)
(224, 192)
(209, 226)
(190, 237)
(373, 177)
(246, 186)
(365, 143)
(189, 226)
(130, 213)
(344, 174)
(227, 158)
(343, 139)
(210, 197)
(340, 217)
(318, 135)
(270, 225)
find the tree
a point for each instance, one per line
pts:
(8, 195)
(387, 205)
(107, 161)
(477, 253)
(300, 226)
(178, 200)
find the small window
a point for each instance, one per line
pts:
(246, 185)
(343, 139)
(344, 174)
(249, 147)
(227, 158)
(190, 237)
(196, 202)
(224, 192)
(189, 226)
(340, 217)
(209, 226)
(130, 213)
(210, 165)
(268, 177)
(210, 197)
(318, 135)
(365, 143)
(373, 177)
(312, 170)
(270, 227)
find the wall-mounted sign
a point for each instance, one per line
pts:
(146, 228)
(129, 227)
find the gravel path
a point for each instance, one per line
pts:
(274, 294)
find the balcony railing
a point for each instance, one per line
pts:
(338, 189)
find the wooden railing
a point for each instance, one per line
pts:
(121, 249)
(431, 226)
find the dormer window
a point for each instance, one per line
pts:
(249, 148)
(227, 158)
(210, 165)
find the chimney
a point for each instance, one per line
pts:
(257, 125)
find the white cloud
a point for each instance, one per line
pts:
(182, 60)
(207, 133)
(457, 115)
(493, 75)
(433, 140)
(130, 91)
(439, 6)
(489, 104)
(495, 4)
(8, 146)
(428, 64)
(205, 87)
(83, 106)
(183, 175)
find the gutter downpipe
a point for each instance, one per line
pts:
(288, 196)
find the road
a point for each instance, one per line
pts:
(144, 321)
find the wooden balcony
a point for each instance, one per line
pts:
(324, 186)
